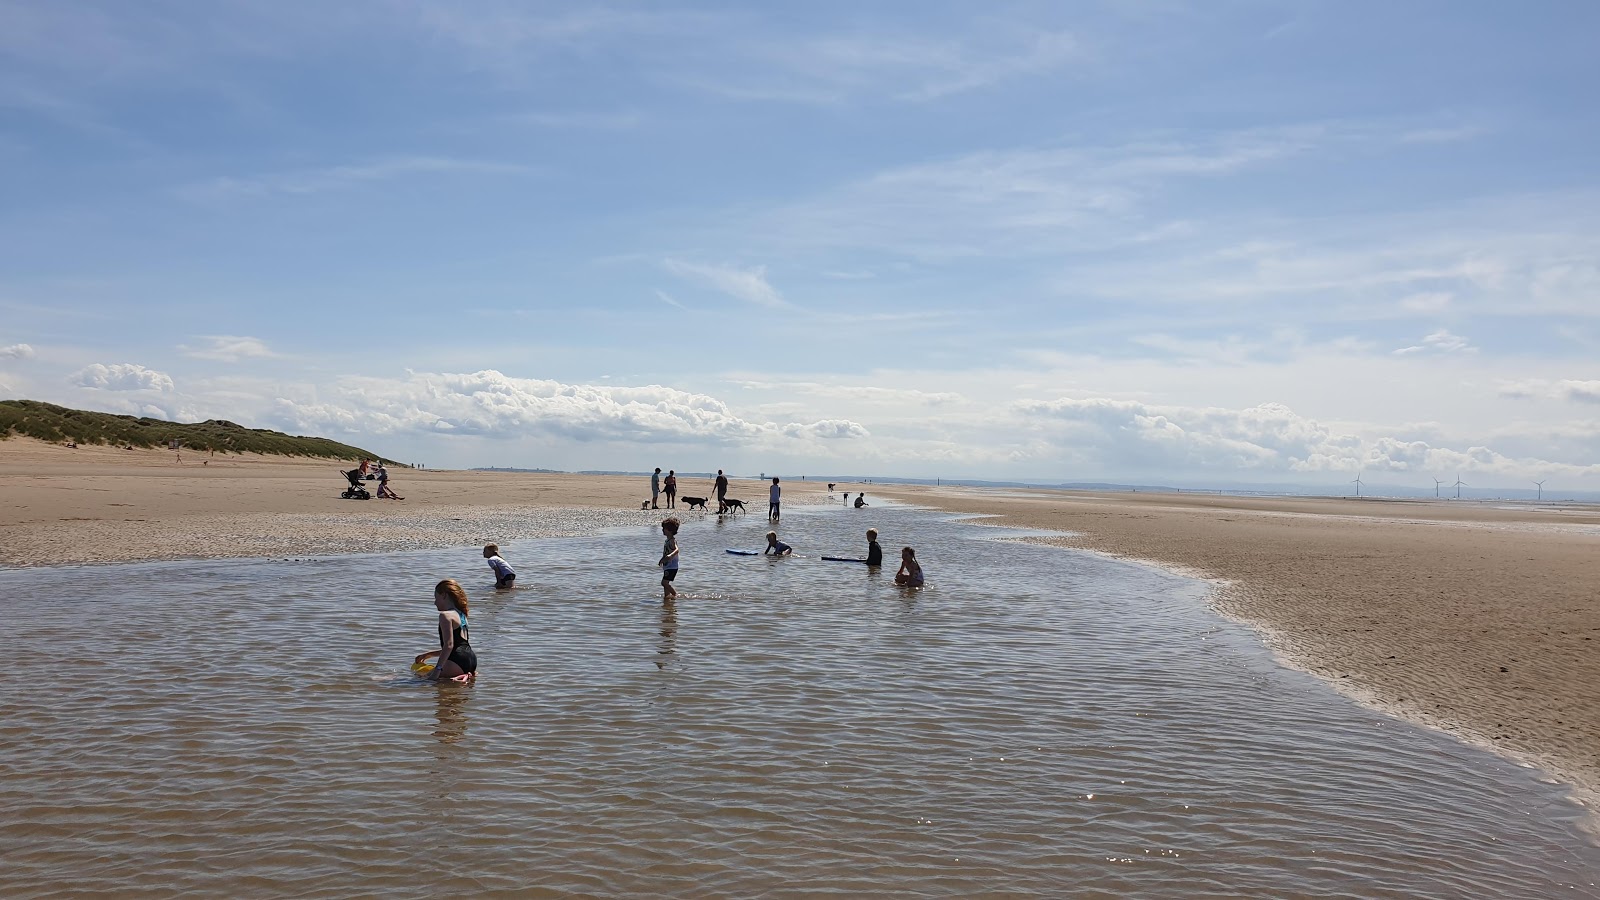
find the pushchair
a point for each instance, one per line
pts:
(356, 491)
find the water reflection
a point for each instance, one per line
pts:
(667, 648)
(450, 711)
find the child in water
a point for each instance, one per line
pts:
(504, 575)
(874, 552)
(910, 573)
(776, 547)
(455, 654)
(669, 560)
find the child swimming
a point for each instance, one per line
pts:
(504, 575)
(910, 573)
(669, 560)
(456, 657)
(776, 547)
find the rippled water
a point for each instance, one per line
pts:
(1034, 723)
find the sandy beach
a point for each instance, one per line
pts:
(1480, 618)
(1477, 618)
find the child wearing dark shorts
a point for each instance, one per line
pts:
(669, 560)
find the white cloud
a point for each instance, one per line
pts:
(492, 405)
(1267, 439)
(229, 348)
(1574, 390)
(669, 300)
(17, 351)
(749, 285)
(122, 377)
(1442, 341)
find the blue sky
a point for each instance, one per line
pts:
(1192, 242)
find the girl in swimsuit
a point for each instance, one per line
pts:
(910, 573)
(455, 654)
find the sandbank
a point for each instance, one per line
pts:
(1480, 618)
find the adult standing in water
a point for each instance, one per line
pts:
(721, 488)
(772, 499)
(670, 488)
(655, 488)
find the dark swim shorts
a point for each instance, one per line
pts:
(669, 574)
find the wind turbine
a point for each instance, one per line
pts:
(1541, 489)
(1357, 483)
(1459, 485)
(1436, 483)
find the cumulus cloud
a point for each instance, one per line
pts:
(1270, 438)
(228, 348)
(122, 377)
(16, 351)
(749, 285)
(491, 404)
(1573, 390)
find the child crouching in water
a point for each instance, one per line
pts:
(455, 654)
(669, 560)
(910, 573)
(504, 575)
(776, 547)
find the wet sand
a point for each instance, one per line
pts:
(101, 505)
(1479, 618)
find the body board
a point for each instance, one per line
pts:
(744, 552)
(854, 559)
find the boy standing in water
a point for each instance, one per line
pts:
(773, 497)
(504, 575)
(669, 560)
(874, 552)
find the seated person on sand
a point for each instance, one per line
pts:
(776, 547)
(861, 500)
(910, 574)
(384, 491)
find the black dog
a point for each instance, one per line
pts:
(695, 501)
(730, 504)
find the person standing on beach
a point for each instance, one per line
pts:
(655, 488)
(720, 486)
(772, 498)
(669, 560)
(670, 487)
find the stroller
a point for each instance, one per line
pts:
(356, 491)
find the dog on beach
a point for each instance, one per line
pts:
(730, 504)
(696, 501)
(645, 505)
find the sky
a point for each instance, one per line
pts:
(1230, 241)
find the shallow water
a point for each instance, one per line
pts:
(1034, 723)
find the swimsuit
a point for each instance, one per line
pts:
(874, 554)
(461, 654)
